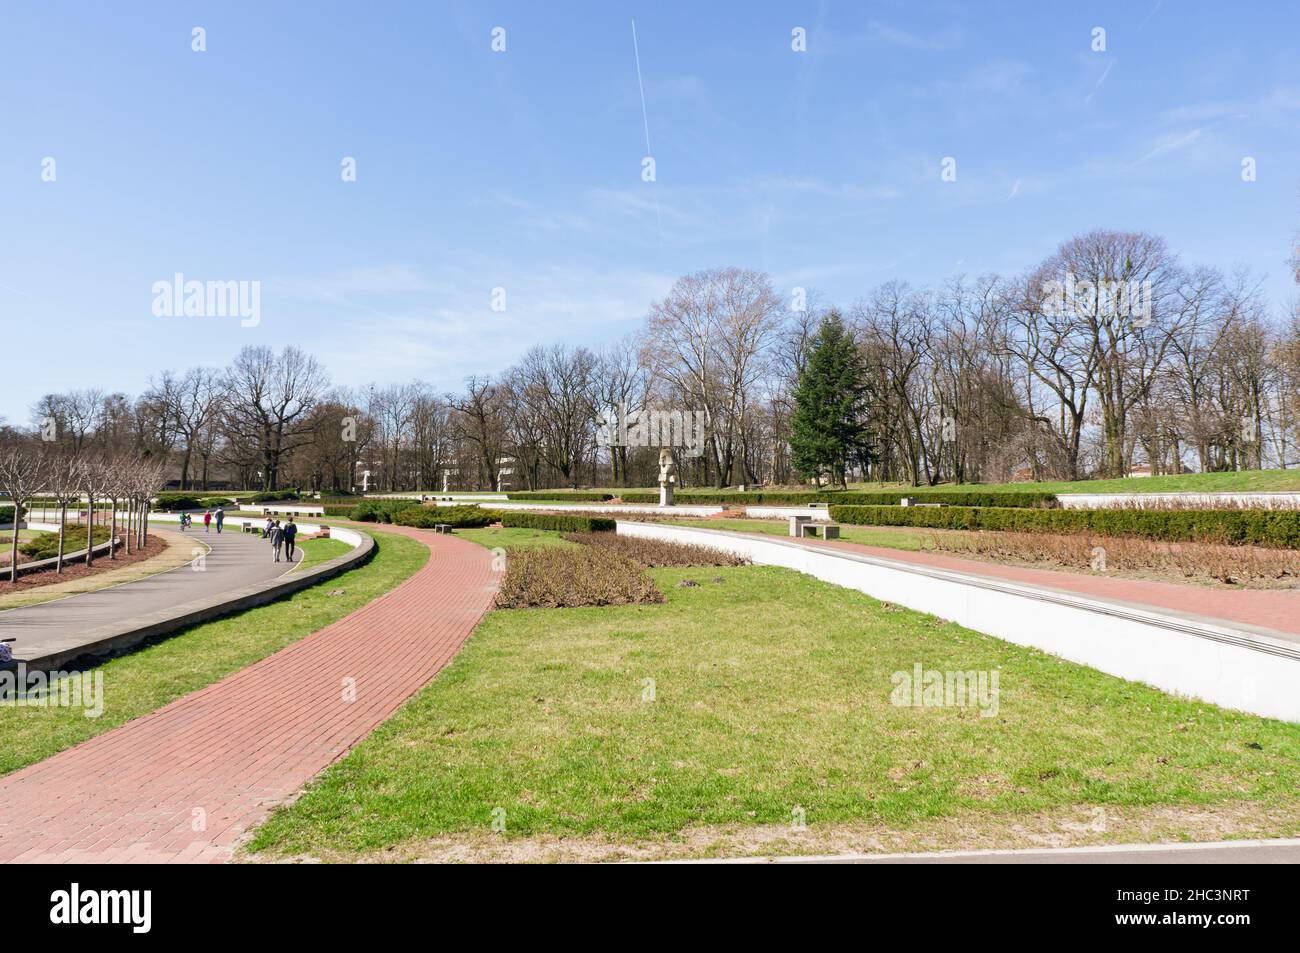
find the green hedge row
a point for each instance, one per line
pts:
(457, 516)
(170, 502)
(577, 497)
(7, 514)
(372, 511)
(853, 497)
(271, 496)
(1275, 528)
(565, 524)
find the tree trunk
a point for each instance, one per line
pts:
(63, 523)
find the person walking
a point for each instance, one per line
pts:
(290, 534)
(185, 522)
(207, 521)
(266, 530)
(277, 539)
(221, 517)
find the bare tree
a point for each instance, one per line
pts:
(21, 471)
(270, 397)
(709, 340)
(63, 481)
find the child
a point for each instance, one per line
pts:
(207, 521)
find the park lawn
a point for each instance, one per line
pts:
(771, 694)
(316, 551)
(145, 680)
(506, 537)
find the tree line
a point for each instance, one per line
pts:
(1110, 353)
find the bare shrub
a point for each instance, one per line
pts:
(1103, 554)
(658, 553)
(562, 577)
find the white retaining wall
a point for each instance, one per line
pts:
(1236, 667)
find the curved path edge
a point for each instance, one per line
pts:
(187, 782)
(118, 636)
(1221, 661)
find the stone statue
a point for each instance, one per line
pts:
(667, 476)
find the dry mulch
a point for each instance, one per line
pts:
(156, 546)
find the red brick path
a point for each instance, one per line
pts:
(223, 757)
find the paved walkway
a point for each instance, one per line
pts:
(221, 758)
(236, 560)
(1277, 610)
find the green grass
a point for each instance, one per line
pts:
(772, 690)
(504, 537)
(145, 680)
(317, 551)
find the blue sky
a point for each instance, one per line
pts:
(522, 169)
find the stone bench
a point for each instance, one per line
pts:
(442, 528)
(829, 530)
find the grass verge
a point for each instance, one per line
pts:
(145, 680)
(753, 695)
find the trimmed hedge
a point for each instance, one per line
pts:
(456, 516)
(565, 524)
(46, 545)
(272, 496)
(851, 497)
(169, 502)
(1274, 528)
(7, 513)
(374, 511)
(557, 495)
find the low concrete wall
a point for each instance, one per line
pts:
(117, 637)
(687, 510)
(1236, 666)
(1209, 501)
(821, 512)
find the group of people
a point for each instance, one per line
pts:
(219, 517)
(281, 536)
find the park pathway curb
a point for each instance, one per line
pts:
(188, 781)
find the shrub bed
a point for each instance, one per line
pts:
(658, 553)
(46, 545)
(372, 511)
(456, 516)
(272, 496)
(563, 523)
(7, 513)
(883, 498)
(169, 502)
(1228, 527)
(554, 577)
(1234, 565)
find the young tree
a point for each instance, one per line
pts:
(826, 428)
(64, 481)
(21, 469)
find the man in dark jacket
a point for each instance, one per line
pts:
(290, 534)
